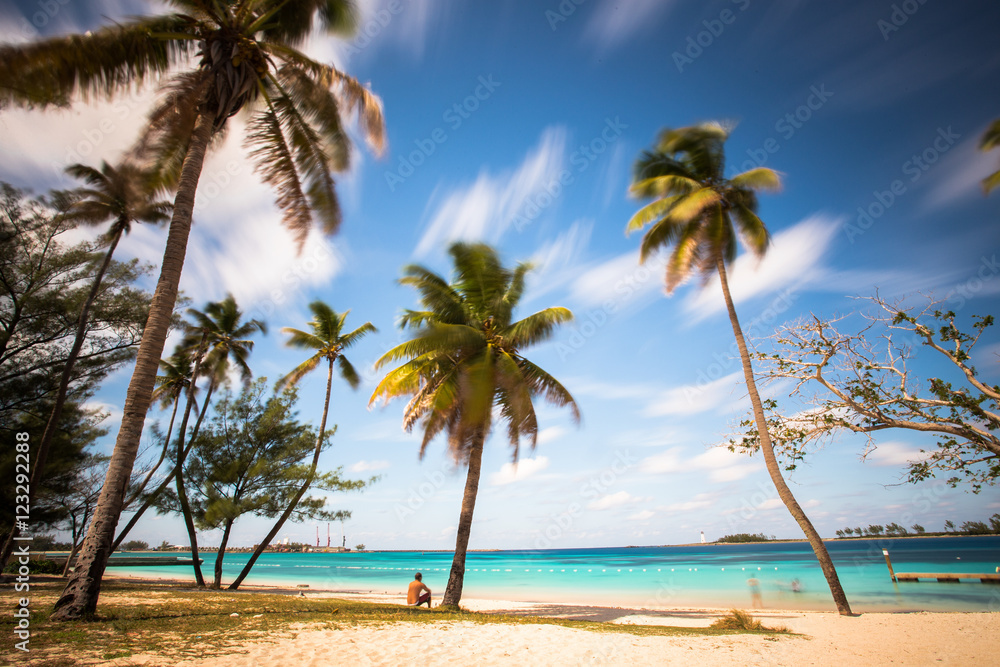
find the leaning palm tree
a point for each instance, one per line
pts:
(989, 141)
(464, 366)
(694, 209)
(124, 195)
(327, 341)
(216, 336)
(246, 57)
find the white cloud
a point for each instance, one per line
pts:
(368, 466)
(721, 464)
(515, 472)
(485, 209)
(613, 500)
(614, 22)
(895, 454)
(641, 516)
(691, 399)
(793, 260)
(959, 173)
(551, 434)
(621, 280)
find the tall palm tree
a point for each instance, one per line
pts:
(170, 387)
(215, 336)
(327, 341)
(464, 365)
(989, 141)
(123, 194)
(246, 51)
(694, 209)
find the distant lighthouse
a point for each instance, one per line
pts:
(703, 537)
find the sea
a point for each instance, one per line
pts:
(704, 575)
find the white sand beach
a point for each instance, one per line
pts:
(821, 639)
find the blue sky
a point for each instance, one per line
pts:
(517, 123)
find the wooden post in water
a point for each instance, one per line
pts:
(885, 552)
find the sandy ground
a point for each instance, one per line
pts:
(821, 638)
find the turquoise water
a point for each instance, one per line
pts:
(702, 575)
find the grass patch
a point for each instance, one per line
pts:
(737, 619)
(169, 623)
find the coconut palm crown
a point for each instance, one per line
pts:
(466, 355)
(246, 58)
(696, 208)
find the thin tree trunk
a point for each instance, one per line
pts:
(281, 520)
(163, 454)
(79, 598)
(217, 583)
(771, 462)
(72, 553)
(456, 580)
(179, 464)
(42, 451)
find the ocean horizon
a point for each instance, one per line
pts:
(700, 575)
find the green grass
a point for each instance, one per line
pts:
(177, 623)
(738, 619)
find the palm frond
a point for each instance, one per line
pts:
(348, 373)
(653, 211)
(537, 327)
(100, 64)
(544, 384)
(760, 178)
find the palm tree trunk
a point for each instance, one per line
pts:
(179, 464)
(453, 592)
(771, 462)
(79, 598)
(217, 583)
(42, 451)
(281, 520)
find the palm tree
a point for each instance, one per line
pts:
(328, 342)
(464, 365)
(989, 141)
(694, 210)
(246, 51)
(215, 337)
(123, 194)
(170, 387)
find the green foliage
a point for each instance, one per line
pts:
(696, 208)
(737, 619)
(135, 545)
(739, 538)
(466, 356)
(360, 547)
(44, 283)
(975, 528)
(35, 566)
(252, 458)
(989, 141)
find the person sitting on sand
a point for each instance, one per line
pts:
(414, 596)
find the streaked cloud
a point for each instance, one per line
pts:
(614, 22)
(613, 500)
(369, 466)
(485, 209)
(720, 464)
(694, 398)
(895, 454)
(516, 472)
